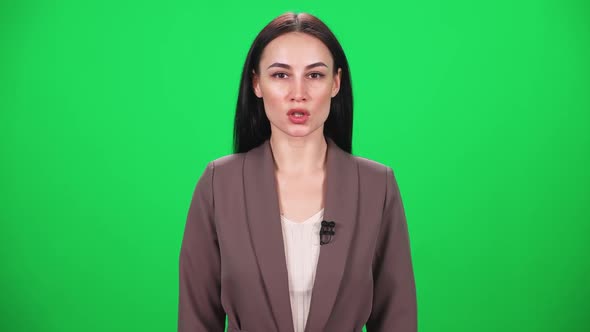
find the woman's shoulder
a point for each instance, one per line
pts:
(367, 165)
(374, 174)
(227, 162)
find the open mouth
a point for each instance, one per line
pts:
(298, 116)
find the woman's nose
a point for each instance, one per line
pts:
(298, 90)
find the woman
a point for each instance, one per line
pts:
(293, 233)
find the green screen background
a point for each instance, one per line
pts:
(110, 111)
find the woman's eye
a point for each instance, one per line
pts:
(316, 75)
(279, 75)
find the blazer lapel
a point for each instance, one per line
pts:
(340, 206)
(264, 220)
(263, 214)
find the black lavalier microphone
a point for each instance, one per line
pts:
(327, 230)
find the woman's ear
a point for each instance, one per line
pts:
(336, 83)
(256, 84)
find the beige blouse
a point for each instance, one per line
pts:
(302, 248)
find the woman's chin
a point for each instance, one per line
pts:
(300, 130)
(298, 133)
(296, 130)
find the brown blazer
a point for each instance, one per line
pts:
(232, 258)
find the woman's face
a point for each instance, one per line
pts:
(296, 81)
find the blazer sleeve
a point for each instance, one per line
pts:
(394, 296)
(200, 308)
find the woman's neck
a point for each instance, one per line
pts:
(299, 155)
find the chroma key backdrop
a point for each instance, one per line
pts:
(110, 110)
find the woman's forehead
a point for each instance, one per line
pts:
(296, 50)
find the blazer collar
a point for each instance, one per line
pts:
(263, 214)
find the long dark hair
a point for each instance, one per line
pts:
(251, 126)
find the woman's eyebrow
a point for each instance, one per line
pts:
(286, 66)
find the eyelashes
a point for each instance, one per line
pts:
(282, 75)
(279, 75)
